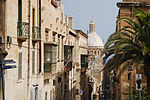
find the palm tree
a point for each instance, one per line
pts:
(130, 45)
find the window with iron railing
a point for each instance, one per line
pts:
(22, 27)
(50, 53)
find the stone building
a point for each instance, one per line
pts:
(48, 52)
(19, 34)
(126, 10)
(95, 51)
(82, 67)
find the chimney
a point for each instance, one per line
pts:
(70, 21)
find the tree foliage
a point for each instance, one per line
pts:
(130, 45)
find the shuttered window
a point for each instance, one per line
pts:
(50, 95)
(33, 62)
(20, 66)
(33, 18)
(58, 47)
(45, 95)
(20, 16)
(62, 48)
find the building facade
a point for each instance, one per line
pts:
(19, 42)
(48, 52)
(126, 8)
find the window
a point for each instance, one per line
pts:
(50, 95)
(68, 56)
(91, 52)
(98, 52)
(54, 82)
(95, 52)
(36, 93)
(88, 52)
(2, 15)
(20, 16)
(50, 52)
(33, 17)
(84, 60)
(45, 95)
(53, 37)
(20, 66)
(62, 48)
(33, 62)
(19, 10)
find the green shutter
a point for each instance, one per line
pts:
(33, 20)
(50, 95)
(20, 66)
(33, 62)
(20, 16)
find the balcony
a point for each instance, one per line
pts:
(36, 34)
(22, 31)
(84, 61)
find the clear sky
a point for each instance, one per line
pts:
(104, 13)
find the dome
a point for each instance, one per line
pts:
(94, 40)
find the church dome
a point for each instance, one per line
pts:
(93, 38)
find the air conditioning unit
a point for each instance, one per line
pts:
(1, 40)
(9, 39)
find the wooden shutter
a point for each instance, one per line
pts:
(20, 16)
(33, 62)
(51, 95)
(39, 94)
(33, 17)
(20, 66)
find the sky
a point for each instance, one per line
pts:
(104, 14)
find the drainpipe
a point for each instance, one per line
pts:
(28, 68)
(40, 36)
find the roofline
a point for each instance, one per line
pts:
(135, 4)
(81, 32)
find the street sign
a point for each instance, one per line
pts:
(3, 67)
(138, 82)
(9, 66)
(81, 92)
(8, 61)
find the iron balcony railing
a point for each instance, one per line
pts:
(23, 29)
(36, 35)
